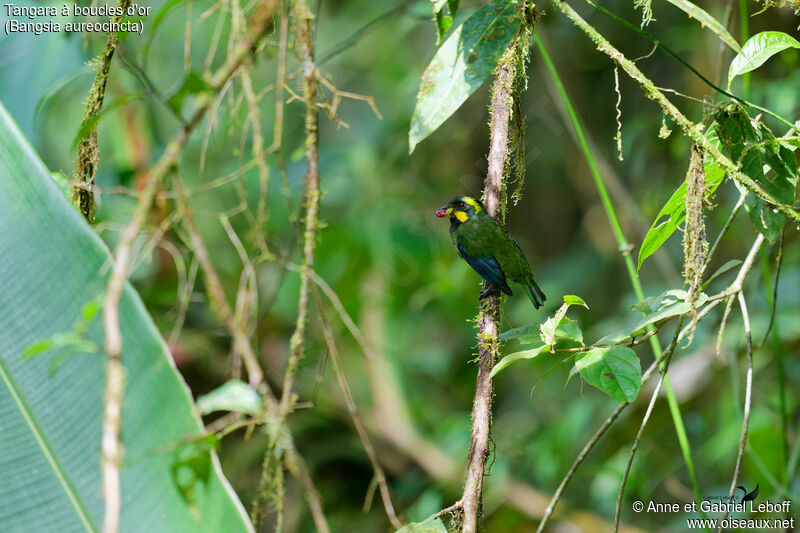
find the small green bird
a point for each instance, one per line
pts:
(488, 248)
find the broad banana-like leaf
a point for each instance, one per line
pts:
(53, 273)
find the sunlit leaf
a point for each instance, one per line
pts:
(655, 309)
(758, 49)
(548, 329)
(615, 370)
(615, 337)
(517, 333)
(704, 18)
(571, 299)
(669, 311)
(235, 396)
(569, 330)
(443, 23)
(669, 304)
(463, 63)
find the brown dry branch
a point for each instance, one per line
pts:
(296, 466)
(689, 128)
(727, 225)
(304, 40)
(494, 199)
(88, 151)
(380, 476)
(111, 448)
(312, 195)
(247, 292)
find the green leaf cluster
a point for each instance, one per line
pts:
(768, 161)
(606, 364)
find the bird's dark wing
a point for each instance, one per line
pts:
(535, 293)
(487, 267)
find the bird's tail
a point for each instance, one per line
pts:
(535, 293)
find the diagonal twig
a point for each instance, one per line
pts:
(664, 363)
(747, 399)
(306, 46)
(380, 476)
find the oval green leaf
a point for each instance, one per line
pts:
(517, 356)
(758, 49)
(571, 299)
(615, 370)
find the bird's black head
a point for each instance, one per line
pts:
(461, 208)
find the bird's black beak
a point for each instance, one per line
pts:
(444, 211)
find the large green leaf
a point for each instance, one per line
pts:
(461, 65)
(758, 49)
(52, 269)
(673, 213)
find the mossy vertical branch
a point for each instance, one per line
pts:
(88, 152)
(306, 48)
(494, 196)
(695, 247)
